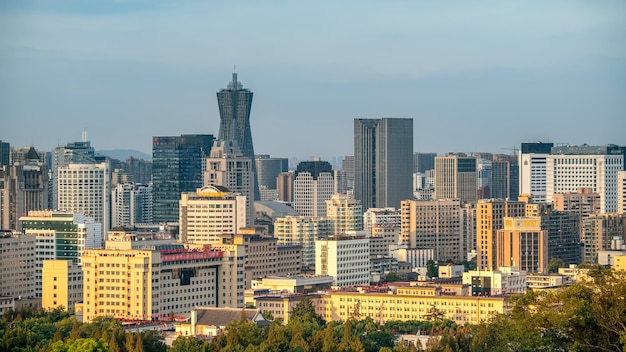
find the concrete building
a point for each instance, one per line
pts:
(416, 257)
(564, 234)
(294, 283)
(607, 257)
(504, 177)
(235, 103)
(383, 161)
(506, 280)
(5, 153)
(532, 176)
(381, 239)
(131, 204)
(522, 243)
(381, 217)
(490, 216)
(84, 188)
(268, 169)
(17, 268)
(313, 186)
(411, 303)
(60, 236)
(621, 192)
(284, 185)
(226, 166)
(434, 224)
(23, 187)
(304, 231)
(282, 305)
(75, 152)
(62, 284)
(569, 168)
(584, 201)
(423, 162)
(344, 213)
(210, 212)
(157, 282)
(345, 258)
(598, 231)
(455, 177)
(619, 262)
(539, 281)
(178, 165)
(347, 165)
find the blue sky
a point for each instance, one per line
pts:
(474, 76)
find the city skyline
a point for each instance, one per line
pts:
(491, 75)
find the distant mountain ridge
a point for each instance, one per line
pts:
(124, 154)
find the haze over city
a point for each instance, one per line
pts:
(479, 76)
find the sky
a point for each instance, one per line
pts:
(473, 75)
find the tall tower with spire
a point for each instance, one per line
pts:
(235, 103)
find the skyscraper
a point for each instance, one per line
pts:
(532, 174)
(313, 186)
(455, 177)
(383, 161)
(177, 166)
(423, 162)
(235, 103)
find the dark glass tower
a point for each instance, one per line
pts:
(383, 161)
(177, 166)
(235, 103)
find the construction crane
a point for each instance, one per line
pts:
(514, 149)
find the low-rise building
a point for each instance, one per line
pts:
(281, 305)
(210, 321)
(506, 280)
(544, 281)
(294, 284)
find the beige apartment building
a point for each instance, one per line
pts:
(17, 266)
(62, 284)
(434, 224)
(584, 201)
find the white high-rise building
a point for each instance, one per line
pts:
(345, 213)
(302, 230)
(131, 204)
(571, 167)
(210, 212)
(621, 192)
(345, 258)
(84, 189)
(313, 186)
(532, 175)
(226, 166)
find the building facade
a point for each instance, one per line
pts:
(455, 177)
(523, 244)
(383, 161)
(345, 258)
(62, 285)
(131, 204)
(345, 214)
(235, 104)
(17, 269)
(490, 214)
(532, 176)
(210, 212)
(227, 166)
(598, 230)
(304, 231)
(313, 186)
(178, 165)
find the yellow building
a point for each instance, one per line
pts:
(282, 305)
(62, 284)
(153, 284)
(489, 219)
(411, 303)
(619, 262)
(522, 243)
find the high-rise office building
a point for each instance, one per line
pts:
(434, 224)
(84, 189)
(383, 161)
(5, 153)
(226, 166)
(210, 212)
(347, 165)
(504, 177)
(72, 153)
(235, 103)
(596, 167)
(532, 165)
(455, 177)
(268, 169)
(23, 187)
(490, 214)
(177, 166)
(423, 162)
(312, 187)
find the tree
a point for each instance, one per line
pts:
(432, 269)
(153, 341)
(392, 277)
(189, 344)
(555, 264)
(80, 345)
